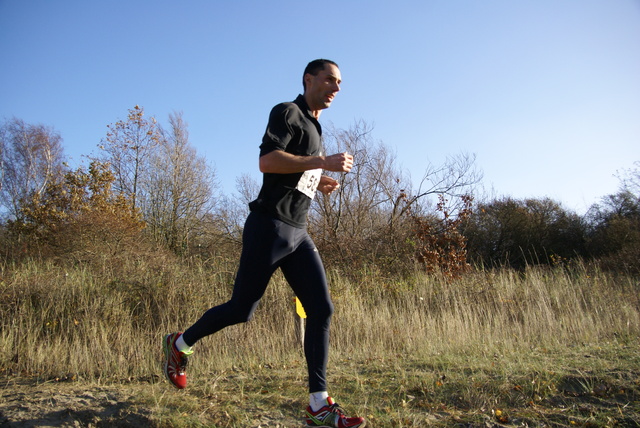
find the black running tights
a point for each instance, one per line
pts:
(269, 244)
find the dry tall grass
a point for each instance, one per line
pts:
(59, 322)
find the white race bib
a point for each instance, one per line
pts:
(308, 183)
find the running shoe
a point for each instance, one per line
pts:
(332, 416)
(175, 362)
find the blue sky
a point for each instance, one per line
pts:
(546, 93)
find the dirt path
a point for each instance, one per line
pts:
(70, 405)
(25, 404)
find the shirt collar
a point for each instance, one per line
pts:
(302, 103)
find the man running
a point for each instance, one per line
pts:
(275, 236)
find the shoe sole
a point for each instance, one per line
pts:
(362, 425)
(165, 364)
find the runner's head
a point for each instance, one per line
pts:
(321, 81)
(314, 67)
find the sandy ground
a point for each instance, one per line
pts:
(70, 405)
(25, 403)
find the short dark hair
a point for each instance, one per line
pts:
(314, 67)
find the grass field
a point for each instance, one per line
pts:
(544, 347)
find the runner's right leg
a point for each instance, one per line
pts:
(257, 263)
(259, 260)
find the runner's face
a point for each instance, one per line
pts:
(323, 87)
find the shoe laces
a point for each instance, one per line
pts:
(335, 408)
(182, 362)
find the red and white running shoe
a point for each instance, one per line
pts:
(332, 416)
(175, 362)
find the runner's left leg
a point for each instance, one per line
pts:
(305, 274)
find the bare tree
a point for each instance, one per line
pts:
(128, 147)
(372, 208)
(455, 178)
(178, 187)
(31, 156)
(233, 210)
(2, 154)
(630, 179)
(360, 208)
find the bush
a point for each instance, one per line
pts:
(78, 218)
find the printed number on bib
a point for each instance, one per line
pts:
(308, 183)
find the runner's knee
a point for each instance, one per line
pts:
(241, 312)
(320, 310)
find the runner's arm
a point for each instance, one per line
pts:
(281, 162)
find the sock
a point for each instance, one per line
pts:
(317, 400)
(182, 345)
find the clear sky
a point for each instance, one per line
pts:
(546, 93)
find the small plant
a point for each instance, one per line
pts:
(440, 246)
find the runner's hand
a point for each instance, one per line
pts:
(328, 185)
(340, 162)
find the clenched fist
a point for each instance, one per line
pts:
(340, 162)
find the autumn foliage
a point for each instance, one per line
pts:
(79, 217)
(440, 245)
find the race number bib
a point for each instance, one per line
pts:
(308, 183)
